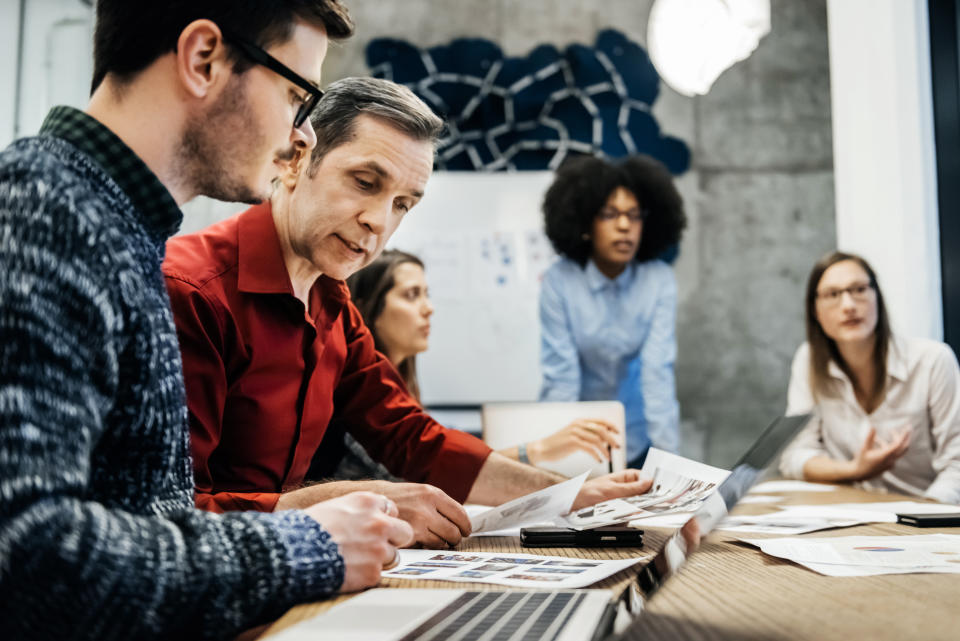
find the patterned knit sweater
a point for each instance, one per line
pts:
(99, 538)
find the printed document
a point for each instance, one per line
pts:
(537, 507)
(868, 555)
(680, 485)
(506, 568)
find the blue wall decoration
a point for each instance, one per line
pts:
(530, 113)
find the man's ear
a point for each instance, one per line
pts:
(201, 58)
(295, 167)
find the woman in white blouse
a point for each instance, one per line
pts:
(886, 408)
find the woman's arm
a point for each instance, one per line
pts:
(559, 359)
(657, 356)
(807, 458)
(873, 458)
(809, 443)
(944, 406)
(593, 436)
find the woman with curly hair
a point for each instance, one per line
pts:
(608, 307)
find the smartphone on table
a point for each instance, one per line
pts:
(559, 537)
(950, 519)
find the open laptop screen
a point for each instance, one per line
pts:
(744, 474)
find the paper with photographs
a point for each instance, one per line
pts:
(542, 506)
(680, 485)
(505, 568)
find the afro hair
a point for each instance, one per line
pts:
(581, 188)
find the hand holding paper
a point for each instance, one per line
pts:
(544, 505)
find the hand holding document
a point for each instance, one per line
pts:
(537, 507)
(680, 486)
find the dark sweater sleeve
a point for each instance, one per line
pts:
(73, 564)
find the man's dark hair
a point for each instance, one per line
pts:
(129, 36)
(581, 189)
(334, 119)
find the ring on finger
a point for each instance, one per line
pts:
(395, 562)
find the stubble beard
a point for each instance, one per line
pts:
(219, 147)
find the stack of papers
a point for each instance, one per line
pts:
(515, 570)
(798, 519)
(869, 555)
(679, 487)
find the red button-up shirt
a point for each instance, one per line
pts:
(265, 376)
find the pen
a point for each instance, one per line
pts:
(610, 459)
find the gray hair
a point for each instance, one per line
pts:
(334, 118)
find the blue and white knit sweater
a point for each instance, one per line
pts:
(99, 538)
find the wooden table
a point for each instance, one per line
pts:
(729, 590)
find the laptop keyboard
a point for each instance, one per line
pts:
(500, 616)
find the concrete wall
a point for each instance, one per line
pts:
(759, 196)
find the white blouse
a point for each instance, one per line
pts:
(923, 392)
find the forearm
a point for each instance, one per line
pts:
(533, 449)
(149, 577)
(946, 487)
(306, 496)
(827, 470)
(502, 479)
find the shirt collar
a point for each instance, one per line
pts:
(157, 209)
(896, 363)
(261, 269)
(597, 280)
(896, 360)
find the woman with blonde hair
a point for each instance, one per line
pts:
(886, 407)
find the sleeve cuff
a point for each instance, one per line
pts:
(791, 463)
(316, 566)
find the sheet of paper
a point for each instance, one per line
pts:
(672, 520)
(886, 511)
(514, 570)
(787, 521)
(867, 555)
(882, 512)
(759, 498)
(791, 486)
(537, 507)
(680, 485)
(657, 458)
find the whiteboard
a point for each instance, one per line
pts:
(480, 236)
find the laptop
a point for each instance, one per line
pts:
(391, 614)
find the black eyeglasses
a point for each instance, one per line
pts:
(261, 57)
(634, 215)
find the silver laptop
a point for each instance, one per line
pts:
(394, 614)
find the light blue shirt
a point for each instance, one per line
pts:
(604, 339)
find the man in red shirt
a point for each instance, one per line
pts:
(273, 349)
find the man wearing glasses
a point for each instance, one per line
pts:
(274, 351)
(99, 536)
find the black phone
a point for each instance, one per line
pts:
(560, 537)
(950, 519)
